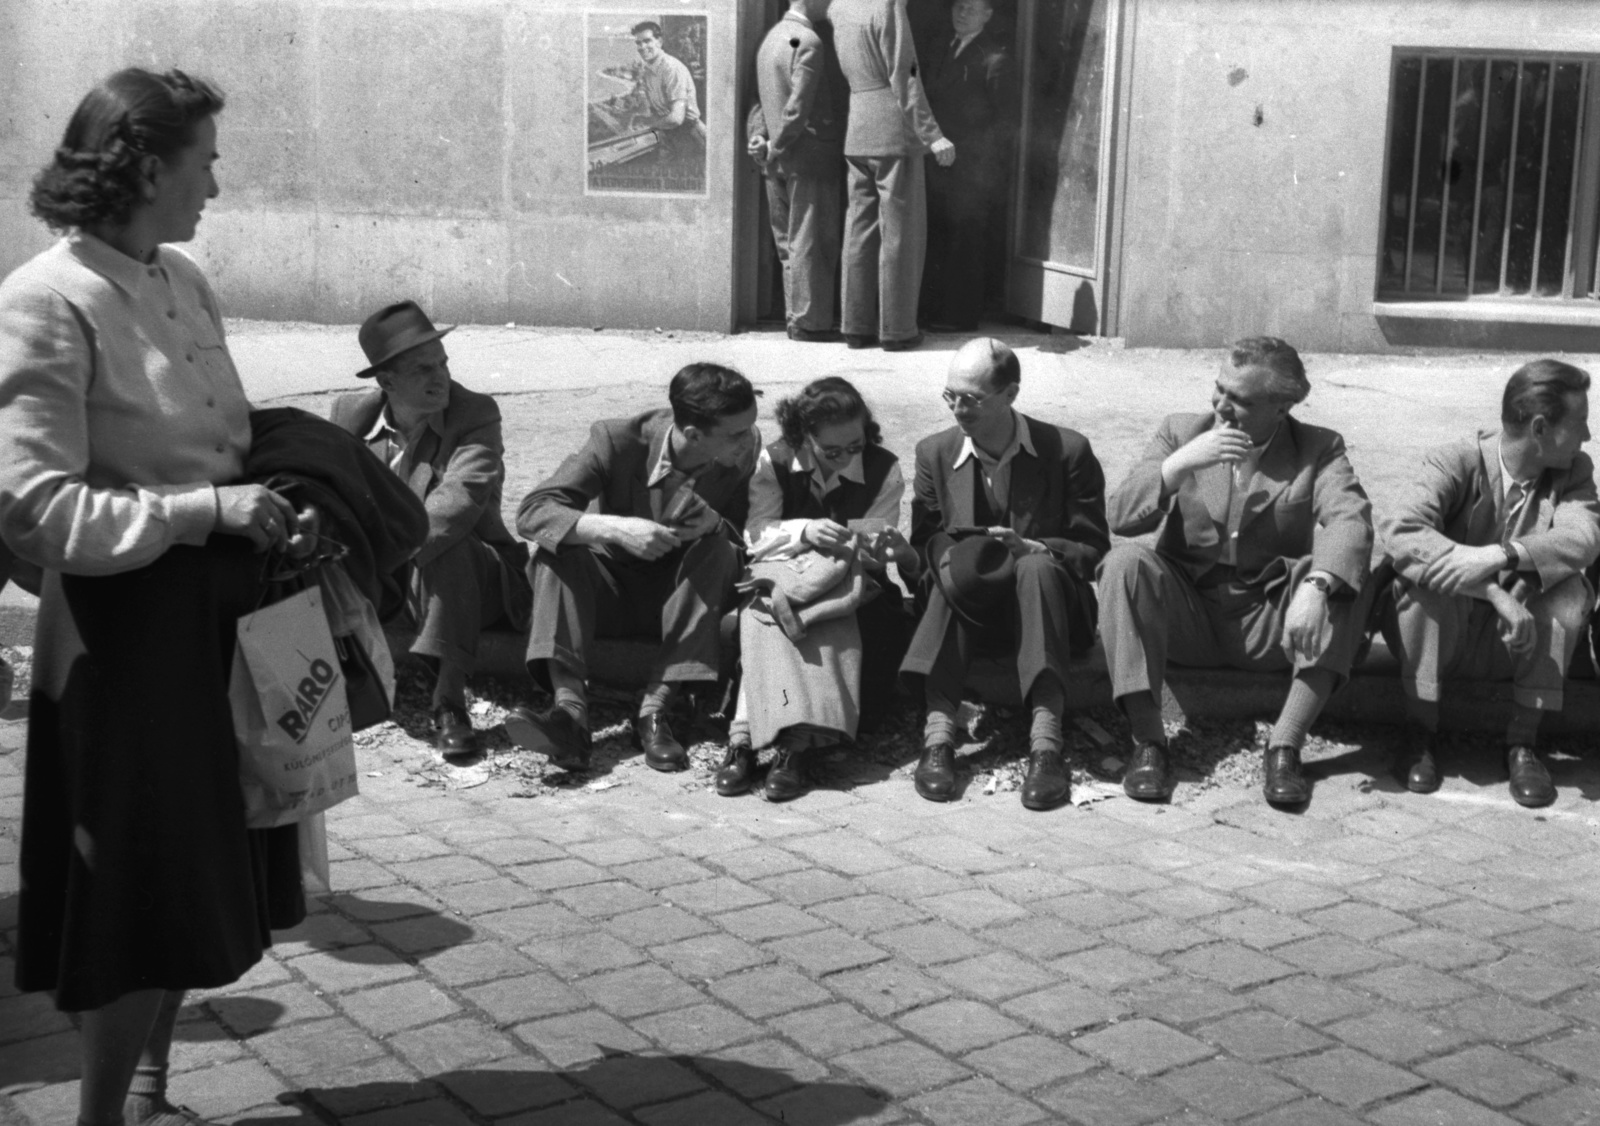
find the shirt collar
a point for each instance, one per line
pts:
(383, 425)
(104, 259)
(1021, 440)
(803, 462)
(662, 467)
(1506, 479)
(962, 42)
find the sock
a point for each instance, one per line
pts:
(940, 727)
(1423, 713)
(1308, 691)
(657, 696)
(1144, 718)
(739, 732)
(450, 686)
(1045, 734)
(1523, 730)
(569, 693)
(147, 1095)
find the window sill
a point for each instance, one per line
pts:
(1568, 313)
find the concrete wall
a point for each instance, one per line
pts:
(1230, 227)
(376, 149)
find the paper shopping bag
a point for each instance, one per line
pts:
(364, 655)
(290, 713)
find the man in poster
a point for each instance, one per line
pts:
(668, 91)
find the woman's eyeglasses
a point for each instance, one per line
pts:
(838, 453)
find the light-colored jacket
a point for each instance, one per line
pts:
(889, 113)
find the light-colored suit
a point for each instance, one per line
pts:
(1216, 587)
(890, 128)
(1458, 497)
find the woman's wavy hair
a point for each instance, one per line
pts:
(95, 174)
(823, 402)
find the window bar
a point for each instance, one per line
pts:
(1416, 167)
(1444, 177)
(1477, 185)
(1544, 176)
(1567, 288)
(1511, 175)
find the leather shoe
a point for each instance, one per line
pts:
(904, 344)
(452, 731)
(1146, 778)
(1530, 781)
(786, 777)
(936, 772)
(733, 776)
(1047, 783)
(1286, 784)
(654, 737)
(859, 340)
(813, 335)
(553, 733)
(1415, 767)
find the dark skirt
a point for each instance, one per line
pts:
(137, 869)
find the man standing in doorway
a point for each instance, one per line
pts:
(890, 128)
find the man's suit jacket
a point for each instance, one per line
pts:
(457, 471)
(889, 114)
(803, 99)
(1456, 498)
(969, 93)
(1303, 499)
(610, 475)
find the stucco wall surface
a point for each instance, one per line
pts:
(1232, 225)
(379, 149)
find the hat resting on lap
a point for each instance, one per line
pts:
(975, 573)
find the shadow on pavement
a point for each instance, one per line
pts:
(700, 1088)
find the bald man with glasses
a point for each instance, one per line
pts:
(1038, 490)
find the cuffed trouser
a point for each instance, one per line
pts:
(954, 279)
(804, 209)
(1151, 613)
(1036, 626)
(458, 594)
(580, 594)
(1443, 637)
(885, 242)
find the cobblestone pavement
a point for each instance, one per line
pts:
(650, 953)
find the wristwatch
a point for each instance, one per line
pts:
(1319, 582)
(1512, 559)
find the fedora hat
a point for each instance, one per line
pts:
(975, 573)
(394, 329)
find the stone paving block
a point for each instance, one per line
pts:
(202, 1046)
(1311, 1000)
(1228, 1089)
(1570, 1106)
(1584, 1005)
(1397, 1036)
(1170, 852)
(1517, 892)
(399, 849)
(708, 843)
(363, 826)
(304, 1050)
(432, 1112)
(359, 875)
(827, 951)
(955, 854)
(710, 956)
(720, 893)
(1349, 1078)
(353, 968)
(1292, 896)
(515, 999)
(846, 852)
(912, 882)
(1108, 967)
(1388, 824)
(324, 931)
(29, 1015)
(697, 1110)
(55, 1104)
(976, 1102)
(474, 962)
(385, 905)
(1399, 893)
(809, 885)
(958, 1026)
(1415, 987)
(656, 925)
(601, 901)
(1258, 1036)
(1488, 1074)
(1489, 1016)
(1109, 1099)
(456, 1044)
(697, 1029)
(902, 1068)
(1529, 978)
(768, 991)
(579, 1112)
(230, 1088)
(770, 920)
(1024, 885)
(758, 862)
(1578, 1053)
(548, 875)
(423, 934)
(1257, 927)
(973, 908)
(613, 851)
(506, 1086)
(347, 1090)
(1225, 875)
(1029, 1062)
(1331, 955)
(1579, 915)
(1440, 949)
(264, 974)
(868, 914)
(468, 834)
(1142, 1047)
(1363, 922)
(888, 988)
(1180, 999)
(1042, 938)
(443, 871)
(506, 851)
(542, 920)
(575, 1038)
(994, 977)
(1232, 965)
(1310, 1112)
(761, 1068)
(931, 943)
(1557, 944)
(391, 1008)
(1064, 1009)
(832, 1029)
(638, 990)
(824, 1104)
(578, 955)
(1185, 901)
(1433, 1107)
(483, 896)
(1479, 919)
(774, 822)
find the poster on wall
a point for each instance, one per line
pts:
(647, 103)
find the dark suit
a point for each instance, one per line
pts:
(1056, 496)
(468, 574)
(970, 94)
(890, 127)
(1458, 498)
(1229, 558)
(801, 115)
(580, 593)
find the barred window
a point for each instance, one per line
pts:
(1491, 178)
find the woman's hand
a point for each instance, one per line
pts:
(892, 547)
(255, 512)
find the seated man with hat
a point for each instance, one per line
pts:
(1008, 515)
(445, 441)
(1261, 561)
(638, 532)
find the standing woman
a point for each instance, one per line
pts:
(828, 468)
(122, 420)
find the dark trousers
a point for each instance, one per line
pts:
(580, 594)
(885, 632)
(954, 278)
(805, 214)
(885, 242)
(1036, 625)
(458, 594)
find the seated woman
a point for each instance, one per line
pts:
(829, 469)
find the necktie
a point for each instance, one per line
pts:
(1517, 510)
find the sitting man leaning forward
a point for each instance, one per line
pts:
(638, 532)
(1490, 543)
(1261, 562)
